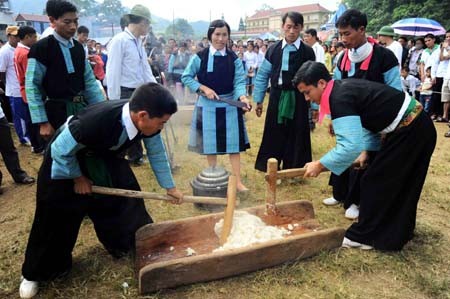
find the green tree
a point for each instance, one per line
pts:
(112, 11)
(387, 12)
(181, 29)
(85, 7)
(241, 25)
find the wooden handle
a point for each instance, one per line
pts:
(149, 195)
(271, 186)
(297, 172)
(229, 211)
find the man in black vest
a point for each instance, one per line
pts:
(86, 150)
(59, 79)
(286, 131)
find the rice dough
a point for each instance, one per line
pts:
(248, 229)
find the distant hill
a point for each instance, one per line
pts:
(200, 27)
(160, 24)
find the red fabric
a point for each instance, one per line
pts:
(325, 101)
(346, 63)
(20, 64)
(98, 68)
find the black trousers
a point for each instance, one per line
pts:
(289, 143)
(9, 152)
(135, 152)
(436, 104)
(391, 187)
(60, 211)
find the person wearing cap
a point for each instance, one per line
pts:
(127, 66)
(59, 78)
(391, 186)
(12, 90)
(386, 37)
(362, 58)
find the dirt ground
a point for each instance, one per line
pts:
(421, 270)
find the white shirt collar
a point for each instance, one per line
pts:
(20, 45)
(296, 43)
(62, 40)
(213, 51)
(131, 129)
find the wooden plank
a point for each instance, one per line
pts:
(218, 265)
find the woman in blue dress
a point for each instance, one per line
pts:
(218, 127)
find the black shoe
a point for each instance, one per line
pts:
(137, 162)
(26, 180)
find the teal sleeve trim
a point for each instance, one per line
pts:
(372, 141)
(67, 58)
(337, 75)
(239, 82)
(64, 150)
(392, 78)
(33, 87)
(188, 77)
(349, 144)
(159, 162)
(262, 81)
(171, 61)
(92, 90)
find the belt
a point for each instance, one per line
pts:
(413, 110)
(126, 88)
(73, 99)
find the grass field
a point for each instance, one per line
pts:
(421, 270)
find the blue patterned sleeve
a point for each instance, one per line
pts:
(239, 79)
(392, 78)
(64, 150)
(349, 144)
(337, 74)
(92, 90)
(188, 77)
(159, 162)
(372, 141)
(33, 87)
(262, 81)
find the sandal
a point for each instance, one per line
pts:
(447, 134)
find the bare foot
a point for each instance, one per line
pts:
(241, 188)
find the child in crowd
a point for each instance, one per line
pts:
(426, 91)
(409, 82)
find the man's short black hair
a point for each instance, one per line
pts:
(403, 38)
(217, 24)
(153, 98)
(82, 29)
(132, 19)
(57, 8)
(296, 17)
(353, 18)
(340, 44)
(312, 32)
(25, 30)
(430, 35)
(310, 73)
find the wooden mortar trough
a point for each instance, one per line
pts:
(159, 267)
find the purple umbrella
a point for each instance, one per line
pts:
(418, 27)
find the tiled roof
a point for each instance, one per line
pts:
(28, 17)
(280, 11)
